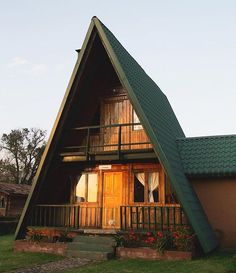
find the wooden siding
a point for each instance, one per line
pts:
(118, 110)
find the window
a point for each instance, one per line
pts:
(86, 189)
(146, 187)
(139, 182)
(135, 119)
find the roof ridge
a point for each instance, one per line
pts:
(206, 137)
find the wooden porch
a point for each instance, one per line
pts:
(140, 217)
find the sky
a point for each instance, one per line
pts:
(187, 47)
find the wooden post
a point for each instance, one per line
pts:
(121, 218)
(143, 218)
(137, 218)
(174, 221)
(125, 218)
(161, 216)
(87, 144)
(131, 217)
(168, 216)
(119, 142)
(181, 219)
(155, 218)
(149, 218)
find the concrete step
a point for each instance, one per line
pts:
(100, 231)
(94, 239)
(91, 255)
(90, 246)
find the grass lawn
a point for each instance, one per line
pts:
(10, 260)
(220, 262)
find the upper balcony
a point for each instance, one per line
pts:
(109, 142)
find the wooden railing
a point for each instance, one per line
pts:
(151, 217)
(131, 217)
(72, 216)
(115, 137)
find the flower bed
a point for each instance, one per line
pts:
(170, 244)
(45, 240)
(49, 235)
(152, 254)
(44, 247)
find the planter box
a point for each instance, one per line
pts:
(151, 254)
(54, 248)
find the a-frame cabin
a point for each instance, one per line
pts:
(112, 160)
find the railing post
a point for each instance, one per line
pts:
(137, 218)
(161, 216)
(88, 144)
(155, 218)
(149, 218)
(119, 142)
(125, 224)
(181, 216)
(121, 218)
(168, 217)
(174, 220)
(131, 216)
(143, 218)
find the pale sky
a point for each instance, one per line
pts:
(187, 47)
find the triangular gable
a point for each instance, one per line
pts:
(158, 120)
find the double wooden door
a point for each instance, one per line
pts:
(112, 199)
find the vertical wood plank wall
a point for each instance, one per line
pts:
(118, 110)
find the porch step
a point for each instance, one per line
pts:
(100, 231)
(93, 247)
(91, 255)
(94, 239)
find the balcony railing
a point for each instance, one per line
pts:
(115, 138)
(151, 217)
(77, 216)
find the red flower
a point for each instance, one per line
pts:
(160, 234)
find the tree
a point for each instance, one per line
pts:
(21, 153)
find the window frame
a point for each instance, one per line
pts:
(87, 187)
(146, 198)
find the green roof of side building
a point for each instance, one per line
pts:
(208, 156)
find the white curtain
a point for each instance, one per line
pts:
(141, 178)
(153, 183)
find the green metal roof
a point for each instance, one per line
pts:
(162, 127)
(157, 118)
(209, 155)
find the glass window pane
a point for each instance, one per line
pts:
(136, 120)
(81, 189)
(92, 187)
(139, 182)
(153, 187)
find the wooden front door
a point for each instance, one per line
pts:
(112, 198)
